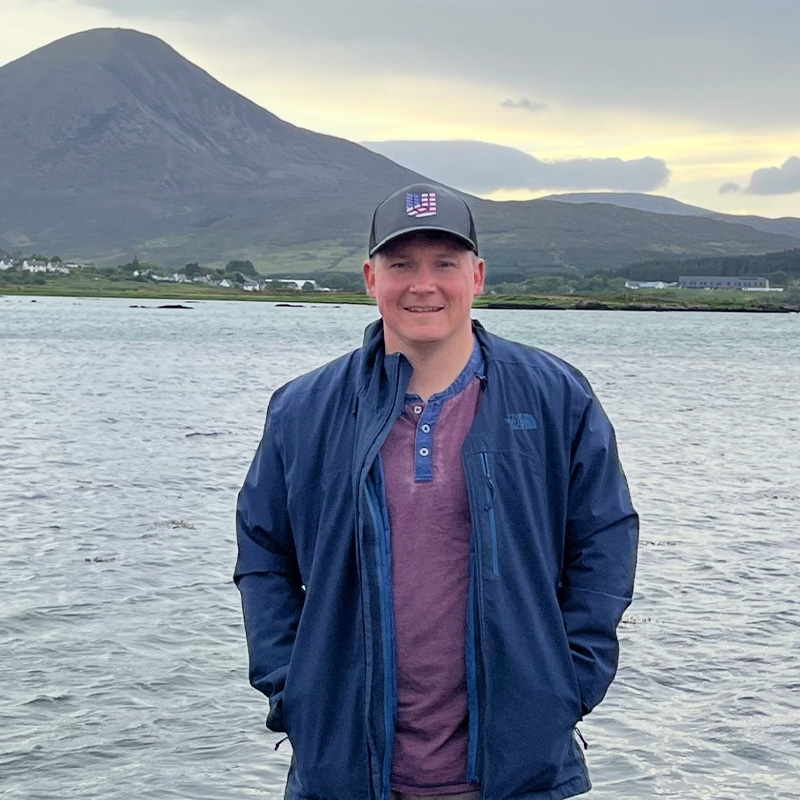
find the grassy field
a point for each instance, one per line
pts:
(135, 290)
(640, 299)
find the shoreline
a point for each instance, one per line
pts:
(595, 305)
(532, 303)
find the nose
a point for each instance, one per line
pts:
(423, 280)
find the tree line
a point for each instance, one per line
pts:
(781, 268)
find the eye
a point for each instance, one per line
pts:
(398, 264)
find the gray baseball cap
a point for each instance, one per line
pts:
(422, 207)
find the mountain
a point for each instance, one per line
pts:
(111, 142)
(114, 145)
(788, 226)
(540, 234)
(657, 204)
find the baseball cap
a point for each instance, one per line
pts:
(422, 207)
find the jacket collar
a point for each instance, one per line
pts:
(376, 367)
(378, 372)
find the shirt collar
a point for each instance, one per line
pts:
(474, 367)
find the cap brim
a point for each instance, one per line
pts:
(415, 229)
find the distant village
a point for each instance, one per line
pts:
(744, 283)
(36, 265)
(248, 283)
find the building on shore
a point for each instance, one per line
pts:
(722, 282)
(648, 284)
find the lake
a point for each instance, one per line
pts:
(127, 433)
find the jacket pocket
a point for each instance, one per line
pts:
(275, 719)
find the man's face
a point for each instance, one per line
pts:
(424, 284)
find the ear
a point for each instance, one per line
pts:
(479, 276)
(369, 278)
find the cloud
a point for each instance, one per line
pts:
(482, 167)
(526, 104)
(784, 179)
(663, 58)
(729, 188)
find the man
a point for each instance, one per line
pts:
(436, 544)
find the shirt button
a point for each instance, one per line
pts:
(423, 451)
(426, 428)
(417, 409)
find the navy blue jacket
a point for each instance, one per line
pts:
(552, 565)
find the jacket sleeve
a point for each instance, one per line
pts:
(267, 573)
(600, 554)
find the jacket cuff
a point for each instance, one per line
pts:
(275, 716)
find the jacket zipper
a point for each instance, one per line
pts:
(472, 678)
(383, 553)
(490, 509)
(474, 621)
(383, 557)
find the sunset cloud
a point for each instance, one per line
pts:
(483, 168)
(525, 104)
(784, 179)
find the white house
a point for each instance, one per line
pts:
(647, 285)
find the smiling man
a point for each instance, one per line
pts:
(424, 283)
(436, 544)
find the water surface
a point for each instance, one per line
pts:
(126, 435)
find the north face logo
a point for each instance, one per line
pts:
(521, 422)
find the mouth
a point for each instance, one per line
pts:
(423, 309)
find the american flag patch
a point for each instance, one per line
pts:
(421, 205)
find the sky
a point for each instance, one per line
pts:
(512, 99)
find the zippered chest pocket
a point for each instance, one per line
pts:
(489, 509)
